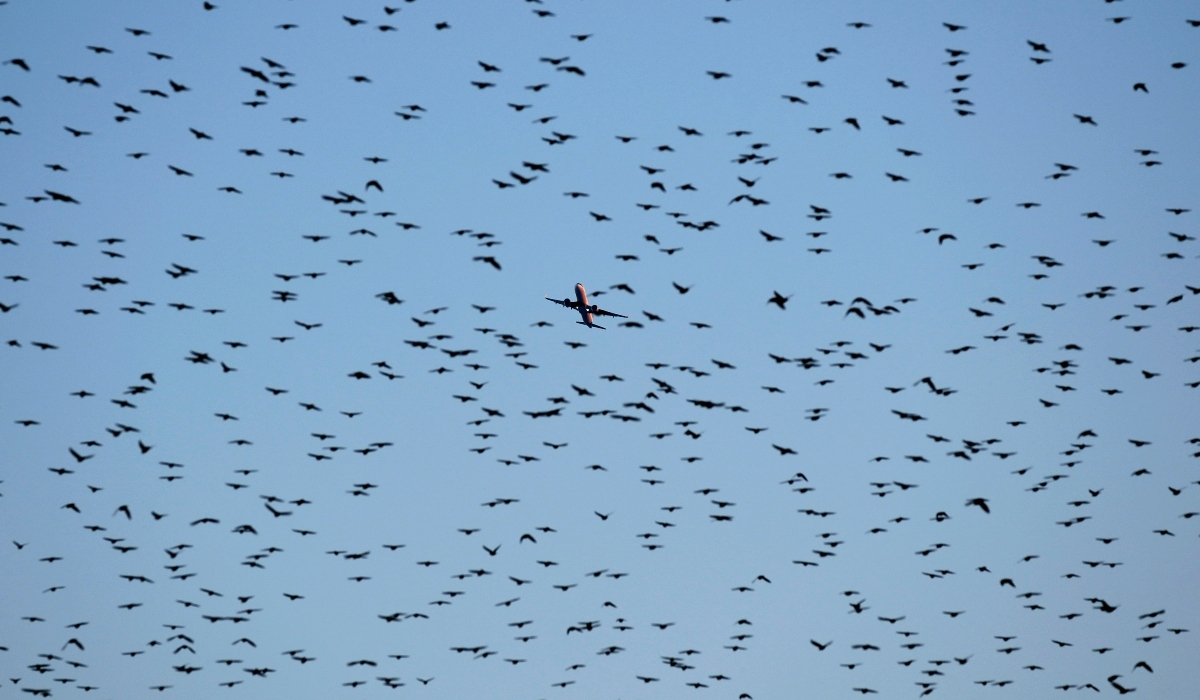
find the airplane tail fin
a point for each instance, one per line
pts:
(592, 325)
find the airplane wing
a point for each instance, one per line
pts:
(601, 312)
(564, 302)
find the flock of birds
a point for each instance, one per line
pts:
(294, 481)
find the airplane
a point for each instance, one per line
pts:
(585, 310)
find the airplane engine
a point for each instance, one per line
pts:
(593, 308)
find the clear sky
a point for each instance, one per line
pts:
(283, 411)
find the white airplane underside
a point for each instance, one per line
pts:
(586, 311)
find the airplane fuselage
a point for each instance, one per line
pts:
(585, 309)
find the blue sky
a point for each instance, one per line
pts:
(917, 189)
